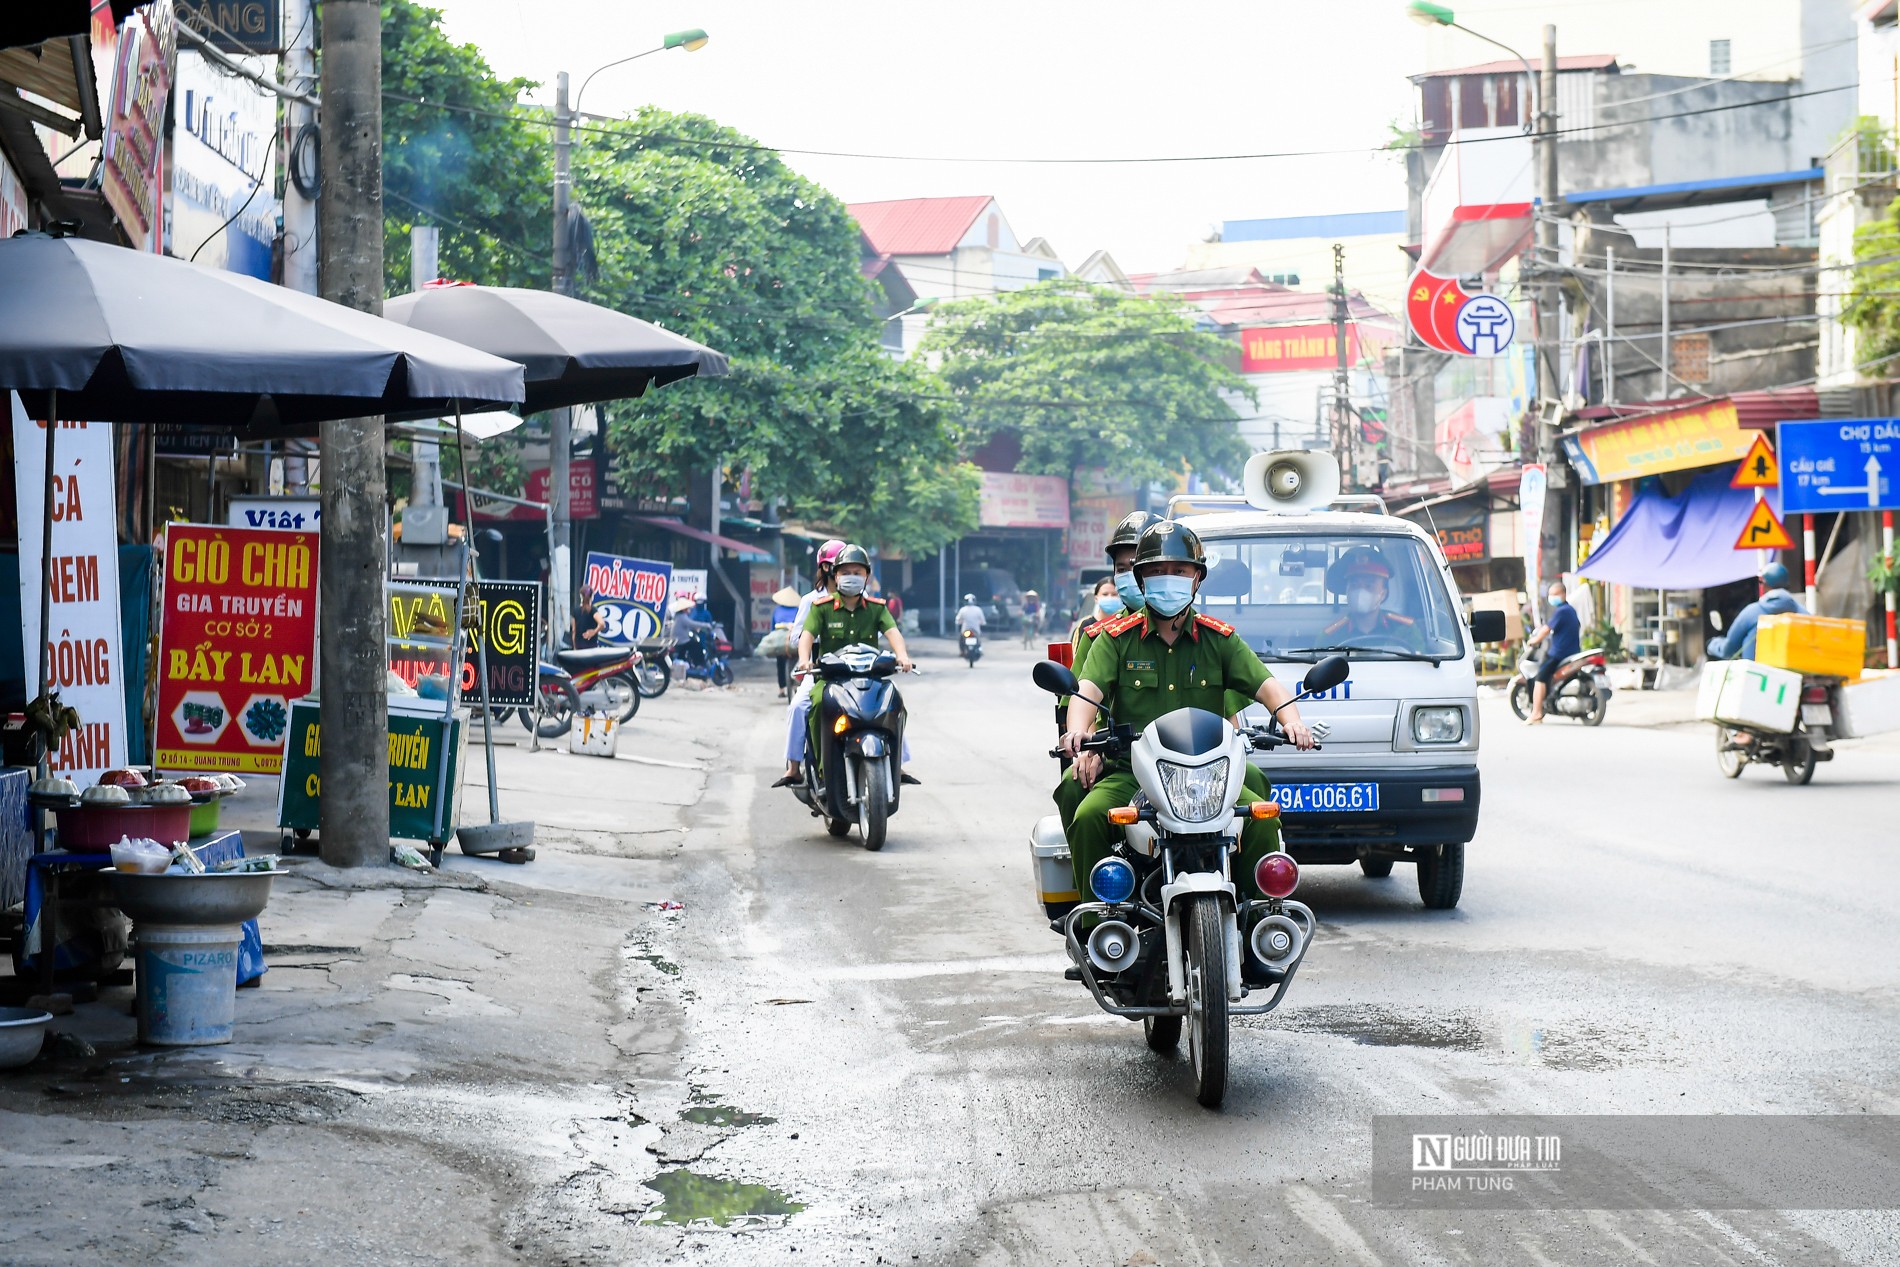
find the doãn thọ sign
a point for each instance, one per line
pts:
(632, 592)
(236, 645)
(1836, 464)
(82, 638)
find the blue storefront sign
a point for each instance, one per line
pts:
(632, 592)
(1836, 464)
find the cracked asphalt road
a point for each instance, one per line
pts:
(835, 1056)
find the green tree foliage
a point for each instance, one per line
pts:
(1088, 376)
(485, 181)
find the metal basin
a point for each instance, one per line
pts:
(191, 899)
(22, 1030)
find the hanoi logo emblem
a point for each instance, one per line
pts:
(1486, 325)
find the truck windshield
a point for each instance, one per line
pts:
(1307, 594)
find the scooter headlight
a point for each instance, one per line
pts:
(1112, 881)
(1196, 794)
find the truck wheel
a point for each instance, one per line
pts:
(1375, 868)
(1441, 877)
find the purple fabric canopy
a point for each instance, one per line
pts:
(1680, 543)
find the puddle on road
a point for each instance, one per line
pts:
(1572, 1047)
(689, 1197)
(652, 958)
(724, 1115)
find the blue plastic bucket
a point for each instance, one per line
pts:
(187, 984)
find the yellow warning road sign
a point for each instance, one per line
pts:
(1759, 469)
(1764, 532)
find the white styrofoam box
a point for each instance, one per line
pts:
(1049, 854)
(594, 736)
(1626, 677)
(1870, 706)
(1744, 693)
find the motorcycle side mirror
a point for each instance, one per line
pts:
(1054, 678)
(1715, 618)
(1325, 675)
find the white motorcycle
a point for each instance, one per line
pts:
(1172, 939)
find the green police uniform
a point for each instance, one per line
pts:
(1069, 793)
(1142, 678)
(833, 627)
(1390, 632)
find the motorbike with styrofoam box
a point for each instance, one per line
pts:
(1167, 938)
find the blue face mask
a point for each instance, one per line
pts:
(1110, 604)
(1129, 588)
(1168, 595)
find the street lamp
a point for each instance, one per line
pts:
(1426, 13)
(560, 433)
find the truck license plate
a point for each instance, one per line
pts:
(1327, 798)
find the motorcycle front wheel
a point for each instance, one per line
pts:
(653, 675)
(1521, 699)
(553, 713)
(622, 693)
(1207, 999)
(873, 805)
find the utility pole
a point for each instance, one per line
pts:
(1549, 301)
(561, 430)
(425, 485)
(1343, 436)
(354, 765)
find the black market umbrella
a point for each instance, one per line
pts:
(126, 336)
(574, 352)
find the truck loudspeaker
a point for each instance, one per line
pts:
(1291, 479)
(1113, 946)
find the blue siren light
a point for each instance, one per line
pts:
(1112, 880)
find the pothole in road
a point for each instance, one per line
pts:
(723, 1115)
(689, 1197)
(1573, 1047)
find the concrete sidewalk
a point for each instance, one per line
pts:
(432, 1066)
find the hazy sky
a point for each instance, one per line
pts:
(1026, 79)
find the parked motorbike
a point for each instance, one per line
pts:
(607, 679)
(706, 656)
(854, 773)
(654, 671)
(1170, 932)
(556, 702)
(972, 647)
(1579, 688)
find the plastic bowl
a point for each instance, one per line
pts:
(216, 898)
(22, 1033)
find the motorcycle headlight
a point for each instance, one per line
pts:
(1438, 725)
(1196, 794)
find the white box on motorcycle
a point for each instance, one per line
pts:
(1745, 693)
(594, 735)
(1870, 706)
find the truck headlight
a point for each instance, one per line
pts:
(1196, 794)
(1438, 725)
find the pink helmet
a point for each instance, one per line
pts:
(828, 553)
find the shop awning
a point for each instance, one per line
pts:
(1679, 543)
(747, 550)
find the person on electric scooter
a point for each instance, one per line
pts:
(1147, 664)
(1739, 642)
(800, 703)
(1564, 630)
(848, 617)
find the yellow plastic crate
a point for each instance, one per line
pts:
(1820, 645)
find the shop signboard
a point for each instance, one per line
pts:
(1530, 508)
(1463, 529)
(688, 583)
(633, 593)
(82, 638)
(581, 500)
(1837, 464)
(224, 206)
(425, 772)
(132, 170)
(510, 621)
(238, 26)
(1674, 440)
(1289, 349)
(237, 639)
(1090, 522)
(296, 514)
(1008, 500)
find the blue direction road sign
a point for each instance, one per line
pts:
(1839, 464)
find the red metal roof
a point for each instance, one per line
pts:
(917, 226)
(1589, 61)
